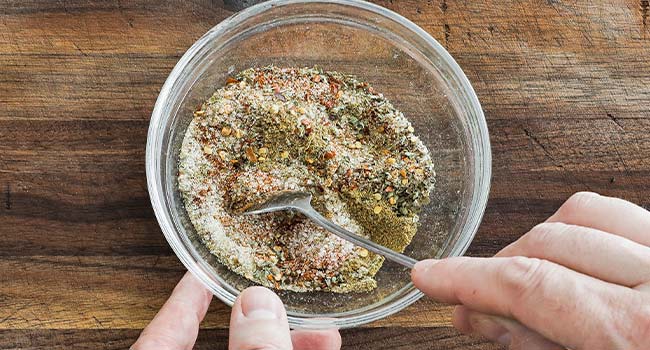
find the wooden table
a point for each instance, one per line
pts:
(83, 264)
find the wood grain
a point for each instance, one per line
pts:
(419, 338)
(565, 86)
(121, 292)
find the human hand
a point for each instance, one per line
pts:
(579, 280)
(258, 321)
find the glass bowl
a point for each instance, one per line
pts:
(379, 46)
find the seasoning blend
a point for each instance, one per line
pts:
(272, 129)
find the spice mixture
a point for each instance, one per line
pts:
(272, 129)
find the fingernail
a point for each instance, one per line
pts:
(259, 303)
(419, 272)
(490, 328)
(424, 265)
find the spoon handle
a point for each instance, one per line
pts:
(358, 240)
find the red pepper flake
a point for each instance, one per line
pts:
(231, 80)
(334, 88)
(330, 154)
(389, 189)
(260, 79)
(307, 124)
(327, 103)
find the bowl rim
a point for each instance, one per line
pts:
(371, 312)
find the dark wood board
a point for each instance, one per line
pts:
(565, 86)
(419, 338)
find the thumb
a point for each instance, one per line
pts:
(259, 322)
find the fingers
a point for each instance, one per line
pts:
(316, 340)
(608, 214)
(176, 325)
(547, 298)
(503, 331)
(259, 322)
(595, 253)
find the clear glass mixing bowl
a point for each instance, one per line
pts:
(379, 46)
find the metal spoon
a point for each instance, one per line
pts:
(301, 202)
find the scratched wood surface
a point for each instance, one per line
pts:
(565, 86)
